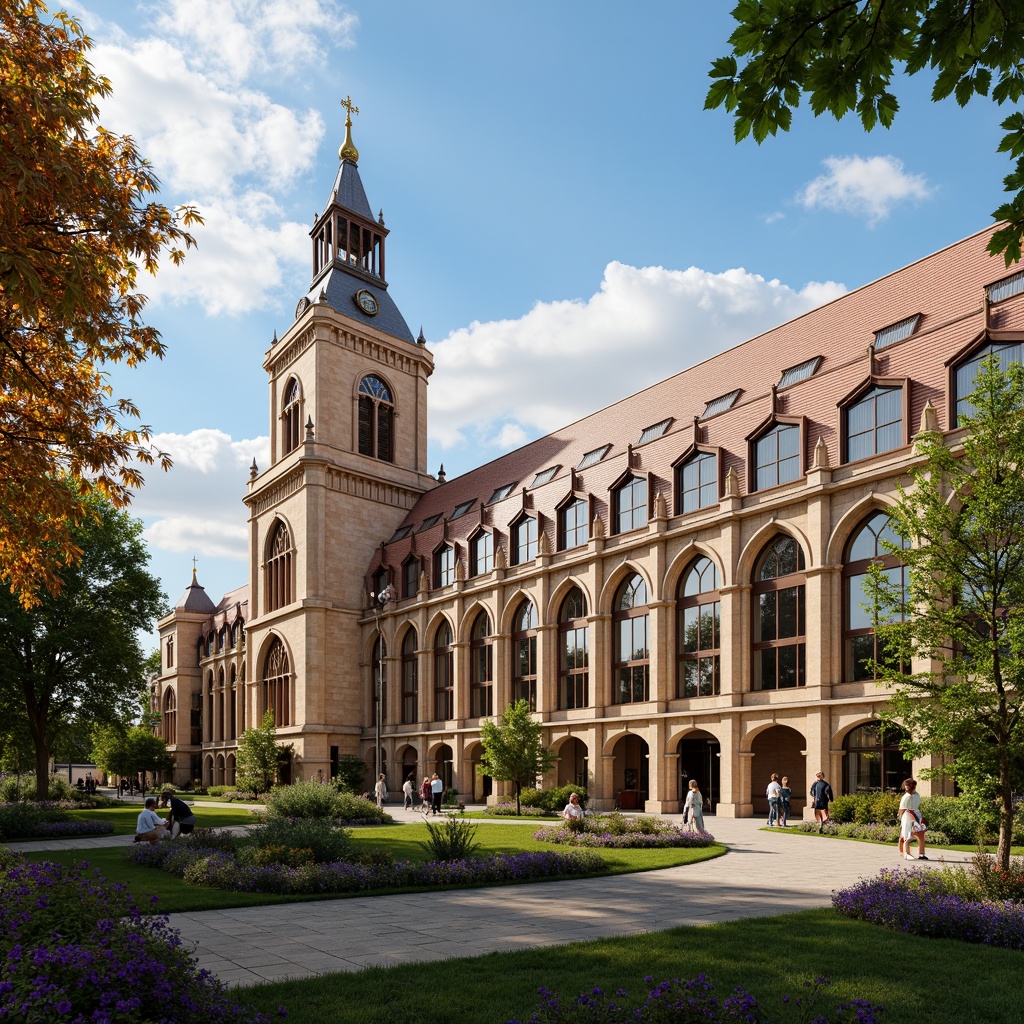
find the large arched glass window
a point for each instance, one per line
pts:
(291, 416)
(379, 675)
(573, 652)
(524, 654)
(777, 456)
(279, 571)
(376, 419)
(232, 723)
(481, 668)
(697, 482)
(631, 678)
(630, 501)
(410, 680)
(699, 637)
(277, 684)
(444, 674)
(861, 646)
(779, 617)
(873, 760)
(874, 423)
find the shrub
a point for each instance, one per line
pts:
(964, 819)
(320, 836)
(552, 800)
(354, 810)
(18, 819)
(866, 808)
(302, 800)
(509, 811)
(618, 831)
(75, 947)
(876, 833)
(692, 1001)
(221, 790)
(452, 839)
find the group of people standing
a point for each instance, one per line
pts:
(780, 796)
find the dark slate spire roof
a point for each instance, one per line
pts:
(348, 190)
(338, 288)
(195, 599)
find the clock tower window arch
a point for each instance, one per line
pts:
(291, 416)
(376, 419)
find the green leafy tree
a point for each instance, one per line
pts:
(75, 656)
(961, 615)
(843, 57)
(260, 757)
(513, 751)
(131, 752)
(350, 774)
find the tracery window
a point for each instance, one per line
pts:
(630, 618)
(699, 637)
(481, 668)
(376, 419)
(573, 652)
(277, 683)
(779, 617)
(524, 654)
(291, 416)
(170, 715)
(444, 674)
(279, 573)
(410, 679)
(631, 504)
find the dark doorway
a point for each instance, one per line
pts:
(699, 759)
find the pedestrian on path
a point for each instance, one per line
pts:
(911, 824)
(774, 794)
(380, 790)
(425, 795)
(407, 789)
(787, 796)
(821, 795)
(693, 809)
(436, 789)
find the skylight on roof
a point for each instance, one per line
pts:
(1012, 285)
(795, 374)
(500, 493)
(652, 432)
(462, 509)
(717, 405)
(429, 522)
(896, 332)
(594, 457)
(544, 476)
(400, 534)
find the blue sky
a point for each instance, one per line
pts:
(568, 224)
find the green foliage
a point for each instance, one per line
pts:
(350, 774)
(959, 532)
(513, 751)
(221, 790)
(57, 788)
(354, 809)
(552, 800)
(303, 800)
(843, 58)
(320, 837)
(968, 820)
(259, 757)
(451, 839)
(865, 808)
(130, 752)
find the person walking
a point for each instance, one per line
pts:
(407, 790)
(693, 809)
(774, 794)
(821, 795)
(425, 795)
(787, 796)
(380, 791)
(436, 789)
(911, 824)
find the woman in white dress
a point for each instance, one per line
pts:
(694, 807)
(910, 816)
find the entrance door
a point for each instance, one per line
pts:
(699, 759)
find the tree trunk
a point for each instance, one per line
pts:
(42, 772)
(1005, 815)
(519, 810)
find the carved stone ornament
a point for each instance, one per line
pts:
(732, 483)
(460, 570)
(423, 581)
(660, 507)
(500, 559)
(929, 418)
(543, 544)
(597, 528)
(820, 454)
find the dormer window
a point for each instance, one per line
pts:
(874, 423)
(429, 522)
(500, 493)
(777, 456)
(1006, 287)
(544, 476)
(967, 372)
(630, 501)
(410, 576)
(444, 566)
(461, 510)
(655, 431)
(481, 553)
(697, 482)
(593, 458)
(795, 374)
(896, 332)
(573, 524)
(717, 405)
(524, 540)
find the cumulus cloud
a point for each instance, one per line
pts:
(196, 507)
(502, 382)
(191, 93)
(865, 187)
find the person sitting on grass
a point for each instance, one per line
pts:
(151, 828)
(183, 819)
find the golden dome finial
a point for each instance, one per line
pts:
(348, 150)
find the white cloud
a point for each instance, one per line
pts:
(197, 507)
(509, 380)
(866, 187)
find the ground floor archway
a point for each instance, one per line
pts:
(573, 764)
(783, 751)
(700, 758)
(631, 772)
(444, 762)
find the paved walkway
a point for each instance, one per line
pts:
(763, 873)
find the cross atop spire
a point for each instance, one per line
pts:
(348, 150)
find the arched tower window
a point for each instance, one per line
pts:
(170, 712)
(376, 419)
(291, 417)
(280, 574)
(631, 672)
(444, 675)
(779, 616)
(698, 643)
(573, 652)
(524, 654)
(277, 684)
(481, 668)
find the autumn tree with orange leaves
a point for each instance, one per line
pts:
(77, 226)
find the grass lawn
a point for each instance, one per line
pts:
(928, 981)
(125, 817)
(403, 840)
(1015, 851)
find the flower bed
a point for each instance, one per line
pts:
(918, 902)
(220, 869)
(876, 833)
(74, 947)
(507, 810)
(616, 831)
(32, 820)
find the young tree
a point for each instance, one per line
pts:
(844, 55)
(962, 613)
(350, 774)
(513, 751)
(75, 656)
(130, 753)
(260, 757)
(76, 226)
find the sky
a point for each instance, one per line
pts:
(568, 224)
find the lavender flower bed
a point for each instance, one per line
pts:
(59, 829)
(912, 902)
(220, 870)
(876, 832)
(616, 831)
(44, 820)
(76, 948)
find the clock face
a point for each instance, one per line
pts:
(301, 307)
(367, 302)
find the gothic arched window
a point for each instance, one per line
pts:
(291, 416)
(376, 419)
(481, 681)
(780, 648)
(410, 680)
(277, 684)
(573, 652)
(698, 643)
(444, 674)
(279, 576)
(631, 672)
(524, 654)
